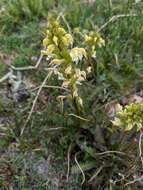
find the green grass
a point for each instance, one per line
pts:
(117, 71)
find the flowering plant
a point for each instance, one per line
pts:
(64, 59)
(129, 117)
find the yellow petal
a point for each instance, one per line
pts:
(50, 48)
(87, 38)
(69, 38)
(61, 31)
(45, 42)
(57, 61)
(68, 70)
(55, 40)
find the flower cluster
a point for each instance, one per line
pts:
(92, 40)
(65, 60)
(129, 117)
(57, 40)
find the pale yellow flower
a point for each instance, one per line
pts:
(65, 83)
(61, 31)
(77, 54)
(68, 70)
(88, 69)
(67, 40)
(129, 117)
(87, 38)
(50, 49)
(101, 42)
(76, 30)
(81, 75)
(46, 42)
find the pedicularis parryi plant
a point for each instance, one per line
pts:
(129, 117)
(69, 63)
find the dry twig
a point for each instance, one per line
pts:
(35, 100)
(96, 174)
(114, 18)
(134, 181)
(83, 175)
(140, 148)
(49, 86)
(29, 67)
(79, 117)
(68, 159)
